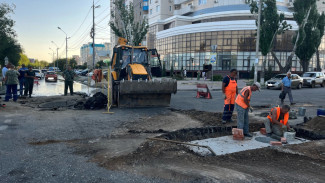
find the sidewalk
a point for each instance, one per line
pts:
(190, 84)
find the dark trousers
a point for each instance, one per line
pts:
(11, 91)
(21, 85)
(227, 112)
(29, 84)
(66, 85)
(287, 90)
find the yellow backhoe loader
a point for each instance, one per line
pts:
(132, 82)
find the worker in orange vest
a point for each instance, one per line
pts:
(230, 90)
(277, 122)
(243, 106)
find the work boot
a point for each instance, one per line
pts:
(248, 135)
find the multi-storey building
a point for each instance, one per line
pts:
(191, 33)
(102, 52)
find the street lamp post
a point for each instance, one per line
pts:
(57, 55)
(52, 56)
(66, 48)
(93, 32)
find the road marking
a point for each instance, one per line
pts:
(3, 127)
(8, 121)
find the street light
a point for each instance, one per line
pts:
(66, 47)
(52, 56)
(57, 55)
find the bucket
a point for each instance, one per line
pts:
(320, 112)
(302, 111)
(290, 136)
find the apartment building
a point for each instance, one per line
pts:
(86, 53)
(190, 33)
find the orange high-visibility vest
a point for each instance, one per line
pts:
(240, 98)
(230, 92)
(278, 111)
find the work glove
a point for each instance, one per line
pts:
(251, 109)
(224, 96)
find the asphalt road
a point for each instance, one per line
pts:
(58, 162)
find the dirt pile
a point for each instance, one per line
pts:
(312, 129)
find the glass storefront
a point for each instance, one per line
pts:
(232, 49)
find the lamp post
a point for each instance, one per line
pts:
(92, 35)
(66, 47)
(52, 56)
(57, 55)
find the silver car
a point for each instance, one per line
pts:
(276, 82)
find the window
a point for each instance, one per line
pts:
(170, 8)
(202, 2)
(157, 8)
(150, 1)
(150, 11)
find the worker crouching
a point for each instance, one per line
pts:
(230, 90)
(277, 122)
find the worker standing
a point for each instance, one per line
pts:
(277, 122)
(286, 88)
(68, 76)
(229, 90)
(243, 106)
(29, 81)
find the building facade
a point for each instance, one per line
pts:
(102, 52)
(189, 34)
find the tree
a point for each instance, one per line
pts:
(9, 46)
(271, 25)
(314, 31)
(23, 60)
(124, 24)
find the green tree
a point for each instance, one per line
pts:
(23, 60)
(8, 44)
(271, 25)
(125, 25)
(313, 31)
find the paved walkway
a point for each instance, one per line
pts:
(189, 84)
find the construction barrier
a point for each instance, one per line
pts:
(203, 91)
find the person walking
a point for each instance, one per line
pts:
(68, 76)
(29, 81)
(21, 78)
(286, 88)
(11, 80)
(277, 122)
(243, 106)
(185, 73)
(229, 90)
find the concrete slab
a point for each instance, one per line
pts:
(226, 145)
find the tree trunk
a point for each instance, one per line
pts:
(304, 64)
(318, 61)
(263, 70)
(277, 61)
(288, 65)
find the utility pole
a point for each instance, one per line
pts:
(92, 34)
(66, 48)
(257, 39)
(57, 55)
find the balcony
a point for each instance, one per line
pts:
(178, 2)
(185, 10)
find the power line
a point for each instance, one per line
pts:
(81, 23)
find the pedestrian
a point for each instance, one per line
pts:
(203, 75)
(185, 73)
(29, 81)
(243, 106)
(229, 90)
(11, 80)
(21, 78)
(277, 122)
(4, 70)
(68, 76)
(286, 88)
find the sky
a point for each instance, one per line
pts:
(36, 23)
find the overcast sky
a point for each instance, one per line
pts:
(37, 22)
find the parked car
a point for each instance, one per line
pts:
(39, 74)
(44, 71)
(51, 76)
(276, 82)
(84, 72)
(312, 79)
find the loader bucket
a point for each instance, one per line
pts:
(154, 93)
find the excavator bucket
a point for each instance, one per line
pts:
(139, 93)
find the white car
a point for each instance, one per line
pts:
(39, 74)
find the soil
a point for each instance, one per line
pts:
(317, 125)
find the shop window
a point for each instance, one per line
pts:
(226, 64)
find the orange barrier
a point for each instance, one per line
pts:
(36, 81)
(203, 91)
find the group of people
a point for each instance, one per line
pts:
(12, 78)
(277, 121)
